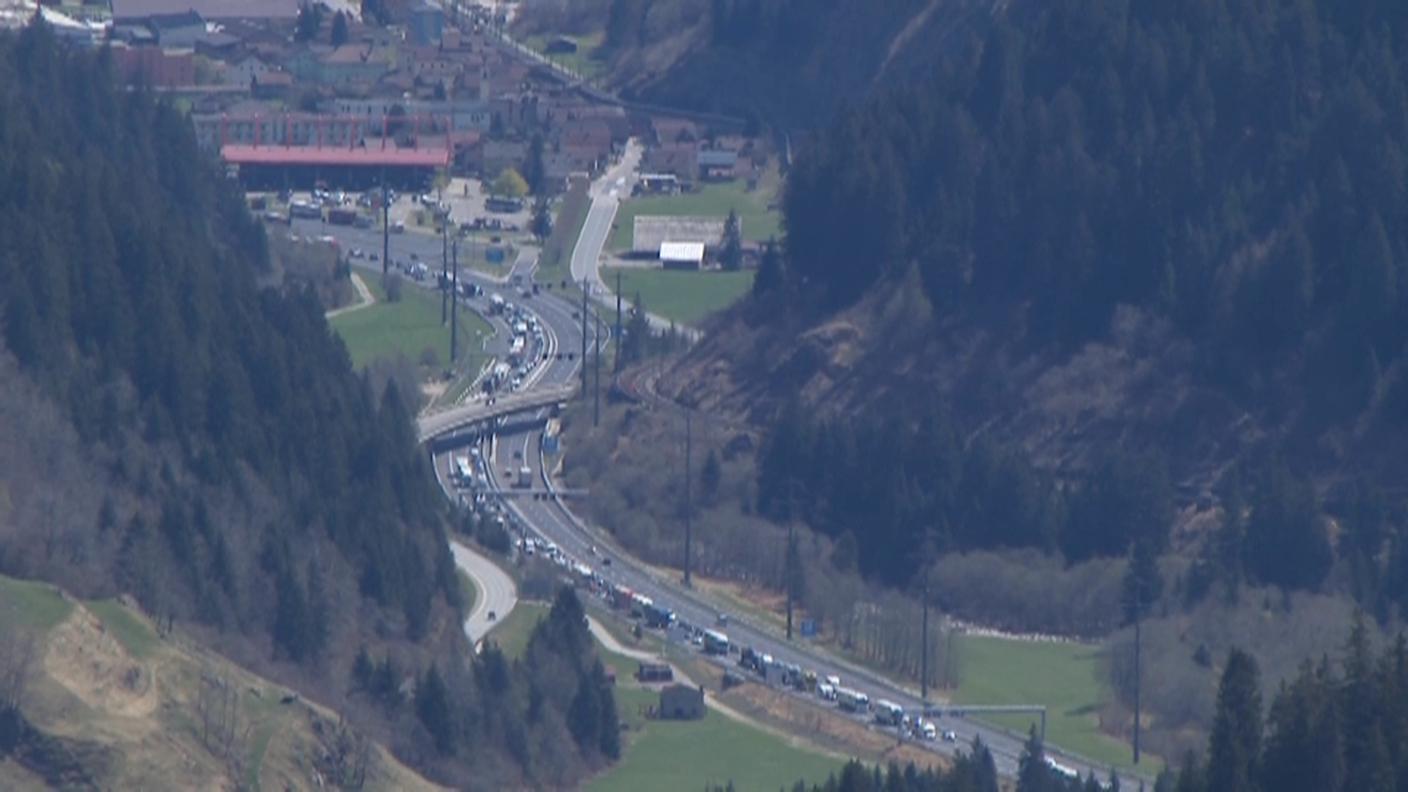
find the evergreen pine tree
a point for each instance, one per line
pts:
(1235, 745)
(731, 251)
(433, 710)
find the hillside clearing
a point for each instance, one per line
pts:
(1065, 677)
(408, 328)
(122, 703)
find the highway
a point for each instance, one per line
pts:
(553, 521)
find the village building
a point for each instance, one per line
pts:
(681, 702)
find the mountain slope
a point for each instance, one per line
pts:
(159, 712)
(178, 425)
(1155, 237)
(128, 274)
(789, 62)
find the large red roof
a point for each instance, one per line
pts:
(308, 155)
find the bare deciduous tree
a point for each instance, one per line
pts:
(346, 756)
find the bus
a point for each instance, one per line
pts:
(715, 642)
(888, 713)
(852, 700)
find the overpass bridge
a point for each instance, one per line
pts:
(448, 420)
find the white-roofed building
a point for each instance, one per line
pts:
(682, 255)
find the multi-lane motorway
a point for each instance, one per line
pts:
(552, 520)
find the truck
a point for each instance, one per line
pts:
(715, 642)
(888, 713)
(342, 216)
(658, 616)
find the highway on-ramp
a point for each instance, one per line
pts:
(497, 594)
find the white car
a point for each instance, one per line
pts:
(950, 736)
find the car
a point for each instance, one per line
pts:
(950, 736)
(592, 550)
(606, 561)
(373, 257)
(493, 616)
(722, 619)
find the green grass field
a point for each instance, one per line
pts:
(135, 635)
(685, 297)
(711, 200)
(514, 630)
(704, 753)
(407, 327)
(30, 605)
(467, 587)
(1063, 677)
(555, 262)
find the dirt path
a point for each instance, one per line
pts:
(364, 298)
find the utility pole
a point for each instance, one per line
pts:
(688, 474)
(585, 286)
(444, 261)
(924, 639)
(948, 663)
(596, 394)
(791, 571)
(618, 320)
(454, 303)
(1138, 617)
(927, 561)
(385, 226)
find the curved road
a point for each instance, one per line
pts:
(497, 593)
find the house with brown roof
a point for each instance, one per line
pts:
(353, 64)
(680, 159)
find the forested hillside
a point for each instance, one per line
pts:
(1124, 276)
(179, 426)
(264, 477)
(790, 63)
(1202, 198)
